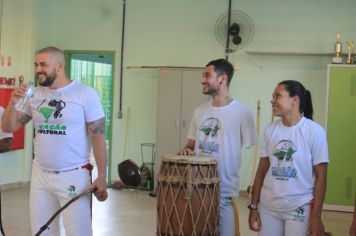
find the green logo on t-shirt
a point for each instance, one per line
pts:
(210, 128)
(284, 150)
(46, 112)
(53, 107)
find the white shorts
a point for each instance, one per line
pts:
(227, 225)
(289, 223)
(49, 191)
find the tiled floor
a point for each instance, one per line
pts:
(130, 213)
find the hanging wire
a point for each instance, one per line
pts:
(122, 57)
(227, 33)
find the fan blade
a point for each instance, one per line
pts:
(236, 40)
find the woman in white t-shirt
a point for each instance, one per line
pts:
(290, 182)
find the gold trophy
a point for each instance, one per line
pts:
(350, 45)
(337, 59)
(338, 46)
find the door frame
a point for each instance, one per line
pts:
(67, 56)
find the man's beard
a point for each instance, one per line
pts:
(211, 91)
(48, 81)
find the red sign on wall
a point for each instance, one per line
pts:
(11, 81)
(3, 80)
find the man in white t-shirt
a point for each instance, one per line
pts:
(68, 120)
(5, 138)
(220, 128)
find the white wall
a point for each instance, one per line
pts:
(17, 41)
(181, 33)
(161, 32)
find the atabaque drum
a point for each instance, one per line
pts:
(188, 196)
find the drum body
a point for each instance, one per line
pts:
(188, 196)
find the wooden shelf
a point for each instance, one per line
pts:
(286, 53)
(164, 67)
(341, 65)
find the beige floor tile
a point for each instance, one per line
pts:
(130, 213)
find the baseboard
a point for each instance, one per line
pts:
(330, 207)
(15, 185)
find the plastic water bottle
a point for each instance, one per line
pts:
(20, 105)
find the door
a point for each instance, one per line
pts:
(179, 93)
(95, 68)
(192, 97)
(341, 133)
(169, 110)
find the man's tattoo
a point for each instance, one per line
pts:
(97, 127)
(23, 119)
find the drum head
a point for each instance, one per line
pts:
(129, 173)
(192, 159)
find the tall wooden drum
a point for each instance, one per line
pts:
(188, 196)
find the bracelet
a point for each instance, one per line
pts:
(252, 207)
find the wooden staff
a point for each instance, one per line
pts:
(46, 226)
(249, 189)
(1, 228)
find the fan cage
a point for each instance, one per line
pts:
(247, 29)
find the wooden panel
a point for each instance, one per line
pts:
(168, 116)
(179, 93)
(192, 97)
(341, 132)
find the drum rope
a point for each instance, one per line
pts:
(187, 197)
(182, 180)
(189, 182)
(206, 213)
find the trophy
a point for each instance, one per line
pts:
(338, 46)
(350, 45)
(337, 59)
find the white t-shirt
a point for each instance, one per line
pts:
(220, 132)
(2, 133)
(293, 152)
(59, 118)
